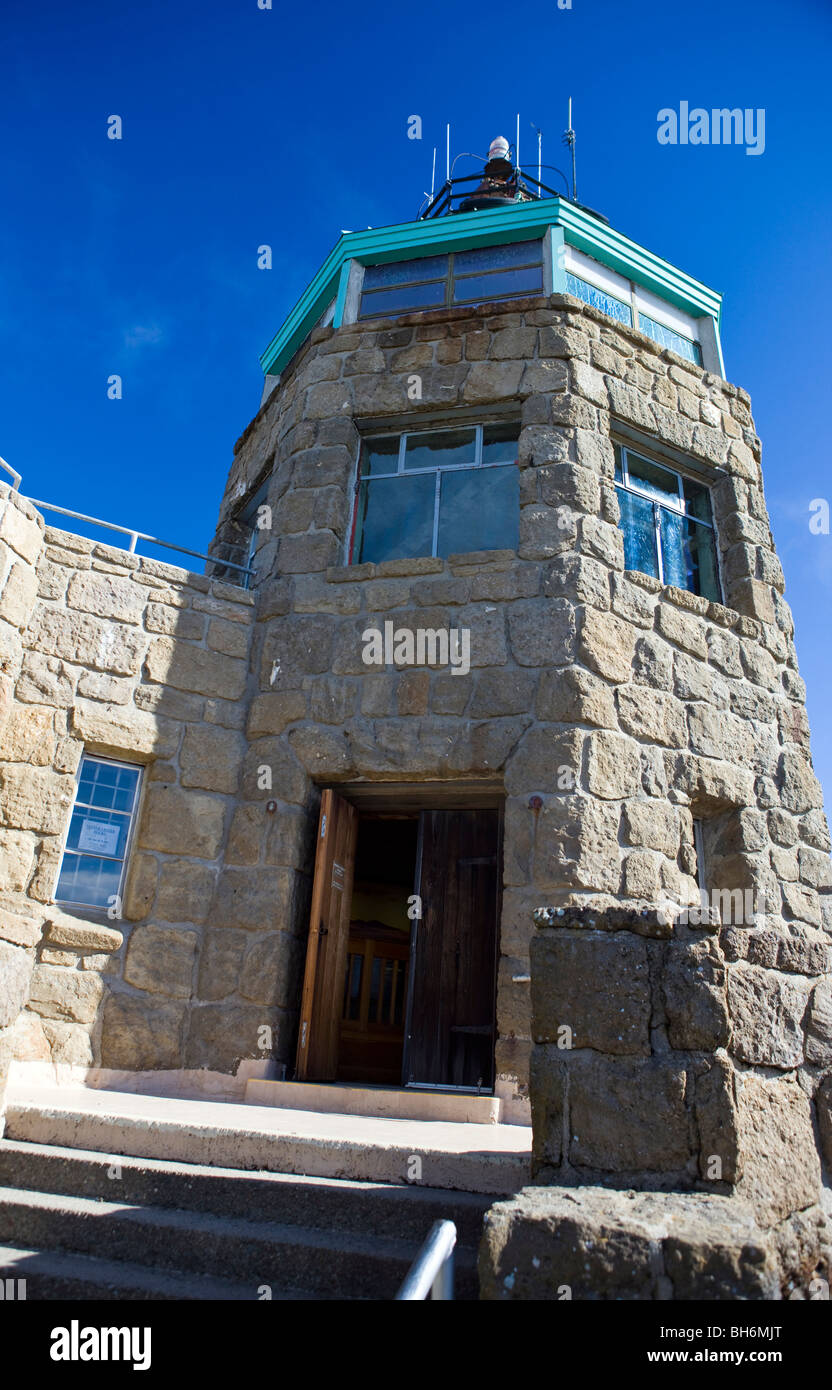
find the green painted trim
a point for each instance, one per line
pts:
(343, 282)
(461, 232)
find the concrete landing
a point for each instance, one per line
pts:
(468, 1157)
(381, 1102)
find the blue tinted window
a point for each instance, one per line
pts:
(616, 308)
(685, 347)
(667, 533)
(465, 277)
(96, 845)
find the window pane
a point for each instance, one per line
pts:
(498, 284)
(440, 450)
(380, 456)
(399, 300)
(479, 510)
(639, 533)
(697, 500)
(616, 308)
(498, 257)
(685, 347)
(405, 272)
(689, 555)
(104, 832)
(396, 517)
(652, 478)
(499, 443)
(88, 880)
(106, 785)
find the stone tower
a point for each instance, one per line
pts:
(515, 613)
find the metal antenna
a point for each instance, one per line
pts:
(517, 143)
(569, 139)
(433, 174)
(448, 152)
(539, 154)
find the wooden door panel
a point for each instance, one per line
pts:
(326, 954)
(451, 1013)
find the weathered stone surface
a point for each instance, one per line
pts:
(120, 729)
(589, 1243)
(69, 1043)
(694, 988)
(542, 636)
(17, 853)
(255, 899)
(34, 798)
(15, 977)
(627, 1115)
(161, 960)
(87, 641)
(211, 758)
(106, 596)
(595, 986)
(17, 930)
(613, 765)
(607, 645)
(58, 992)
(182, 822)
(819, 1025)
(576, 696)
(19, 594)
(220, 963)
(171, 662)
(271, 971)
(778, 1161)
(139, 1034)
(221, 1035)
(185, 891)
(62, 929)
(767, 1012)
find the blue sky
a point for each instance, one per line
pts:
(244, 126)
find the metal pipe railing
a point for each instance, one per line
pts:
(15, 475)
(432, 1272)
(136, 536)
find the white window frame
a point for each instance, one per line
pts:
(438, 469)
(638, 300)
(70, 903)
(674, 506)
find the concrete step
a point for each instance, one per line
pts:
(486, 1159)
(242, 1251)
(60, 1274)
(332, 1204)
(383, 1102)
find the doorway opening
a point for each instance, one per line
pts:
(400, 980)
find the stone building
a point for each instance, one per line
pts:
(433, 801)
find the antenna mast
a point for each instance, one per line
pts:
(569, 139)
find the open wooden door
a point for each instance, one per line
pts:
(329, 929)
(450, 1030)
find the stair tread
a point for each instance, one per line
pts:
(124, 1278)
(181, 1221)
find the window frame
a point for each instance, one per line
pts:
(450, 281)
(69, 903)
(680, 508)
(400, 471)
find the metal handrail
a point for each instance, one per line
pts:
(432, 1272)
(136, 536)
(15, 475)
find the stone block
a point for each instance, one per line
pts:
(576, 696)
(595, 985)
(185, 891)
(628, 1115)
(106, 596)
(62, 929)
(271, 970)
(542, 634)
(767, 1011)
(607, 645)
(160, 960)
(34, 798)
(221, 1035)
(211, 758)
(58, 992)
(15, 978)
(613, 765)
(181, 822)
(171, 662)
(779, 1165)
(120, 730)
(84, 640)
(255, 899)
(695, 1001)
(140, 1034)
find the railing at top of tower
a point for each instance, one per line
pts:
(456, 189)
(245, 571)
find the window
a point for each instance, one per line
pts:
(667, 524)
(685, 347)
(436, 492)
(616, 308)
(463, 277)
(95, 855)
(257, 522)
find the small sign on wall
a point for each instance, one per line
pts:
(99, 837)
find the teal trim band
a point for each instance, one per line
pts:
(462, 231)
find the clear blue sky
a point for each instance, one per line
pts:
(245, 126)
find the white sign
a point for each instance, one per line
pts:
(99, 836)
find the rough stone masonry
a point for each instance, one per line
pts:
(615, 711)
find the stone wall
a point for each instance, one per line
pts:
(614, 710)
(142, 661)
